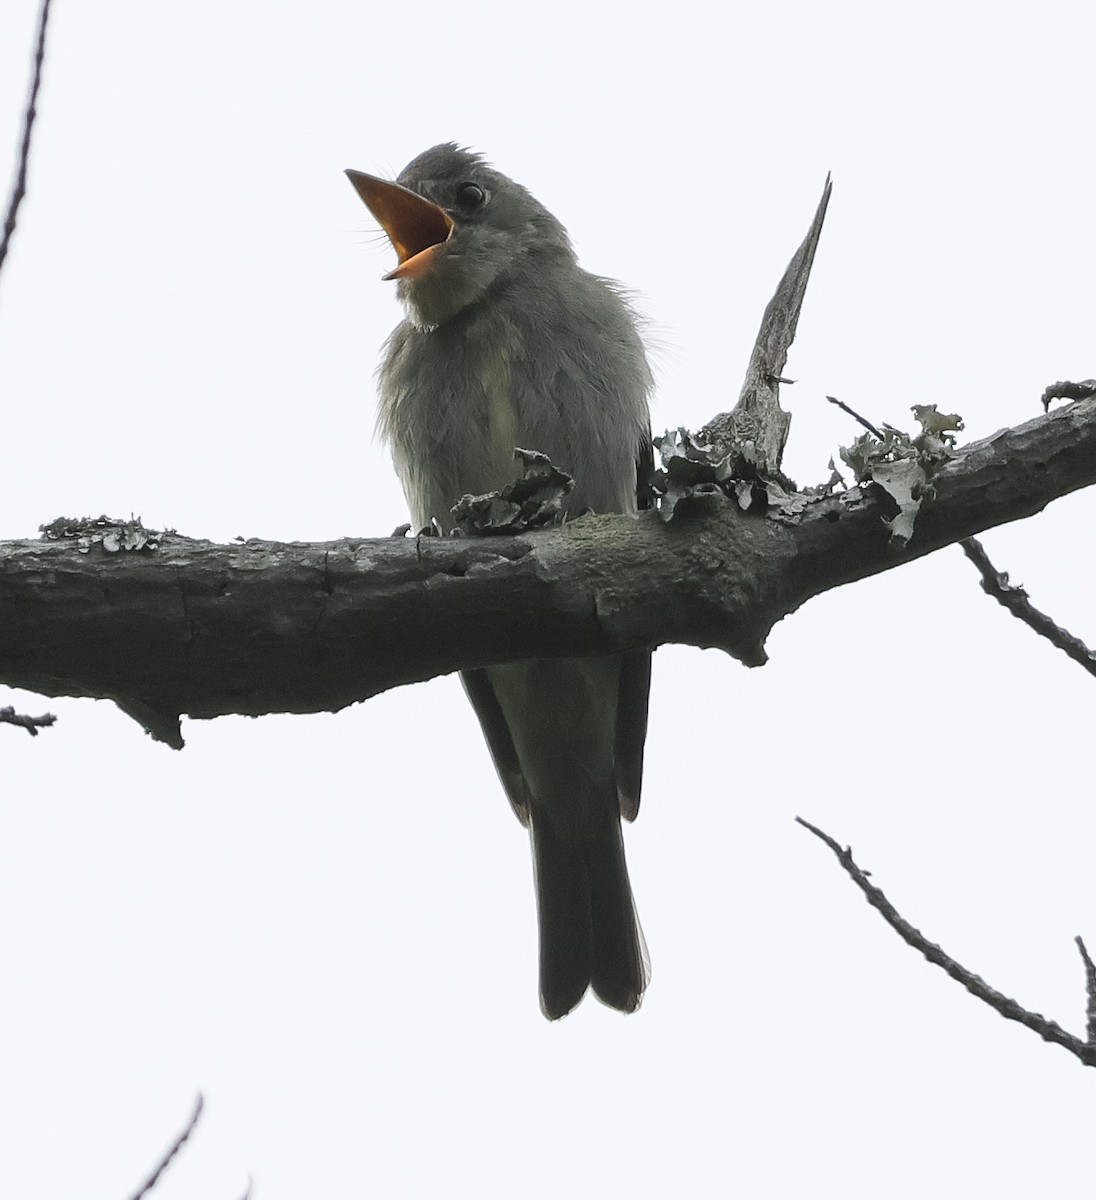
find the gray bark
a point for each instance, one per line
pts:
(202, 629)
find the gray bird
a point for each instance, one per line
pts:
(509, 342)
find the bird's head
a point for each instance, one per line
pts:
(460, 228)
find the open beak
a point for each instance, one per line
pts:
(415, 227)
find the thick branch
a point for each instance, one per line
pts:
(1012, 474)
(261, 627)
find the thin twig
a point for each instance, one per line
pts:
(995, 583)
(856, 417)
(20, 188)
(8, 716)
(176, 1146)
(1090, 991)
(1049, 1031)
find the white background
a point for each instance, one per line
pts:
(326, 923)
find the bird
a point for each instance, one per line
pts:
(507, 342)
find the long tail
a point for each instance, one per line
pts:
(589, 932)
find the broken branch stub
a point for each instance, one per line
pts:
(757, 427)
(744, 447)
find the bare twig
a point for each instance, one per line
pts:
(20, 188)
(176, 1146)
(8, 716)
(1049, 1031)
(857, 417)
(1090, 991)
(995, 583)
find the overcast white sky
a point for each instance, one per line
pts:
(326, 923)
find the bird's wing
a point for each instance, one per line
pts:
(645, 471)
(631, 728)
(632, 698)
(635, 677)
(497, 735)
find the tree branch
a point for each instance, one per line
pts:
(166, 626)
(172, 1151)
(758, 425)
(1090, 991)
(19, 190)
(1049, 1031)
(8, 716)
(203, 629)
(995, 583)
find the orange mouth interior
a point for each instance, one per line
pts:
(415, 227)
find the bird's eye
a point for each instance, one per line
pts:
(471, 196)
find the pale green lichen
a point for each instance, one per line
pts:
(904, 466)
(111, 533)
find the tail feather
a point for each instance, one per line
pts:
(589, 932)
(620, 969)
